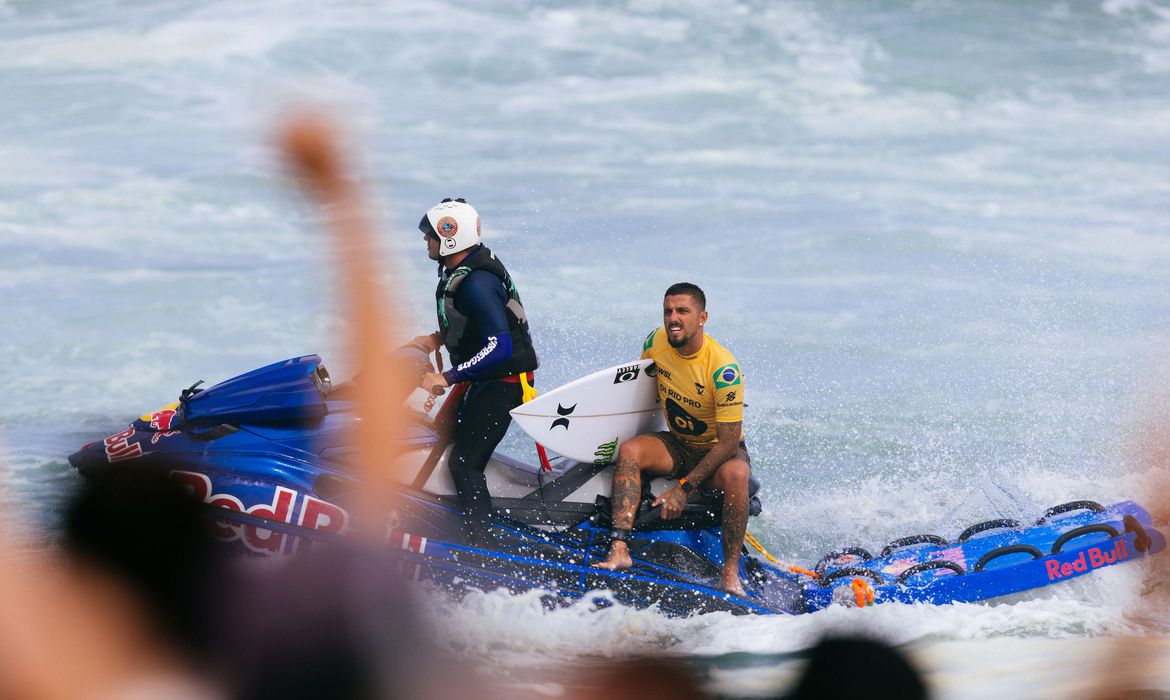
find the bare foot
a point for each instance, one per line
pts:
(730, 584)
(618, 559)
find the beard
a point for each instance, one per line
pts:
(683, 340)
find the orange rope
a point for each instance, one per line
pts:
(747, 537)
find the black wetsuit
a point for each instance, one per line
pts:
(486, 334)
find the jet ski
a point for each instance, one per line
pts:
(267, 452)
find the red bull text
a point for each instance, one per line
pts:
(118, 446)
(1091, 558)
(311, 513)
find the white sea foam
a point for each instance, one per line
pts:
(518, 626)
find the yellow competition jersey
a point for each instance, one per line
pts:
(697, 391)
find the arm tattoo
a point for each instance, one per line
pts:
(627, 491)
(725, 449)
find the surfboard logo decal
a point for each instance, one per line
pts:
(727, 375)
(562, 412)
(626, 374)
(605, 452)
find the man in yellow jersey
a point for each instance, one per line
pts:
(701, 389)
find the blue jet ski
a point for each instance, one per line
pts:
(267, 452)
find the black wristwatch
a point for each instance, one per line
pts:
(685, 485)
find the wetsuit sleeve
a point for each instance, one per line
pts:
(728, 382)
(483, 298)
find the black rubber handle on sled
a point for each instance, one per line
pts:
(901, 542)
(1003, 551)
(1082, 530)
(860, 553)
(1141, 541)
(986, 525)
(930, 566)
(860, 571)
(1070, 506)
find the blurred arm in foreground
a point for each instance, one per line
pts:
(310, 144)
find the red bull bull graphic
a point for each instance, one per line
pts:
(161, 420)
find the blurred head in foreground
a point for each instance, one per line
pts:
(853, 667)
(144, 529)
(329, 622)
(333, 622)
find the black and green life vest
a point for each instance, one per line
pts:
(461, 336)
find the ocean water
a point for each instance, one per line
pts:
(934, 233)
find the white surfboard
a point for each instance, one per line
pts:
(588, 418)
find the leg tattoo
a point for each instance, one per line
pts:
(734, 526)
(735, 515)
(627, 490)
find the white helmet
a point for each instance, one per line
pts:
(455, 222)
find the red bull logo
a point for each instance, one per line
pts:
(119, 447)
(161, 420)
(310, 513)
(1092, 558)
(286, 506)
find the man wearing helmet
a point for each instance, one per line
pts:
(483, 326)
(701, 390)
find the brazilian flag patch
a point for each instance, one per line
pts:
(727, 375)
(649, 341)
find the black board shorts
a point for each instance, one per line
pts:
(686, 457)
